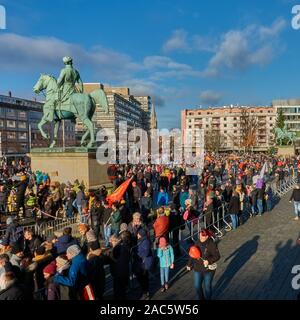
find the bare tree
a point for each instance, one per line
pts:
(248, 130)
(213, 140)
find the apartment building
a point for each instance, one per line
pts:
(227, 121)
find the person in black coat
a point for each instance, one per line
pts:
(175, 197)
(119, 258)
(11, 289)
(32, 243)
(176, 222)
(143, 262)
(204, 268)
(96, 271)
(21, 186)
(234, 209)
(96, 214)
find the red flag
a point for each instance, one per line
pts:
(117, 195)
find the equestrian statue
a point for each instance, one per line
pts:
(282, 134)
(65, 100)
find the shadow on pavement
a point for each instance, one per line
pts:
(239, 258)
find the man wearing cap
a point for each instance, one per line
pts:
(77, 278)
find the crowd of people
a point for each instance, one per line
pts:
(137, 234)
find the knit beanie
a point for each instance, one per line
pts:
(61, 261)
(73, 250)
(50, 268)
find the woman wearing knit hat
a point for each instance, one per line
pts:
(55, 291)
(165, 254)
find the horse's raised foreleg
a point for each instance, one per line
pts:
(40, 126)
(56, 128)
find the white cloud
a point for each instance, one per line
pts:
(145, 87)
(201, 43)
(177, 41)
(45, 53)
(210, 97)
(239, 49)
(277, 26)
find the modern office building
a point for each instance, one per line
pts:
(227, 122)
(291, 110)
(122, 107)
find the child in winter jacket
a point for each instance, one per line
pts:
(165, 254)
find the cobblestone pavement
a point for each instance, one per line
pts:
(256, 260)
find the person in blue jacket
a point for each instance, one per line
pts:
(162, 198)
(64, 242)
(183, 195)
(77, 278)
(165, 254)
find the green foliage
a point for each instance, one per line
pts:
(280, 120)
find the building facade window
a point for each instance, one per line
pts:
(1, 123)
(11, 124)
(22, 135)
(11, 135)
(22, 115)
(11, 113)
(22, 124)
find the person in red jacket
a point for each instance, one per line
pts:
(161, 224)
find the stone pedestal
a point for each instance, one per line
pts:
(286, 151)
(70, 164)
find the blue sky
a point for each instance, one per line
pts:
(183, 53)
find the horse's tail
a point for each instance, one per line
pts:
(99, 98)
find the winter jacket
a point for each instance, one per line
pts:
(166, 256)
(182, 197)
(146, 205)
(234, 205)
(162, 199)
(209, 252)
(137, 194)
(253, 196)
(63, 243)
(116, 221)
(96, 214)
(142, 256)
(175, 198)
(97, 273)
(161, 226)
(14, 292)
(119, 260)
(32, 245)
(78, 274)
